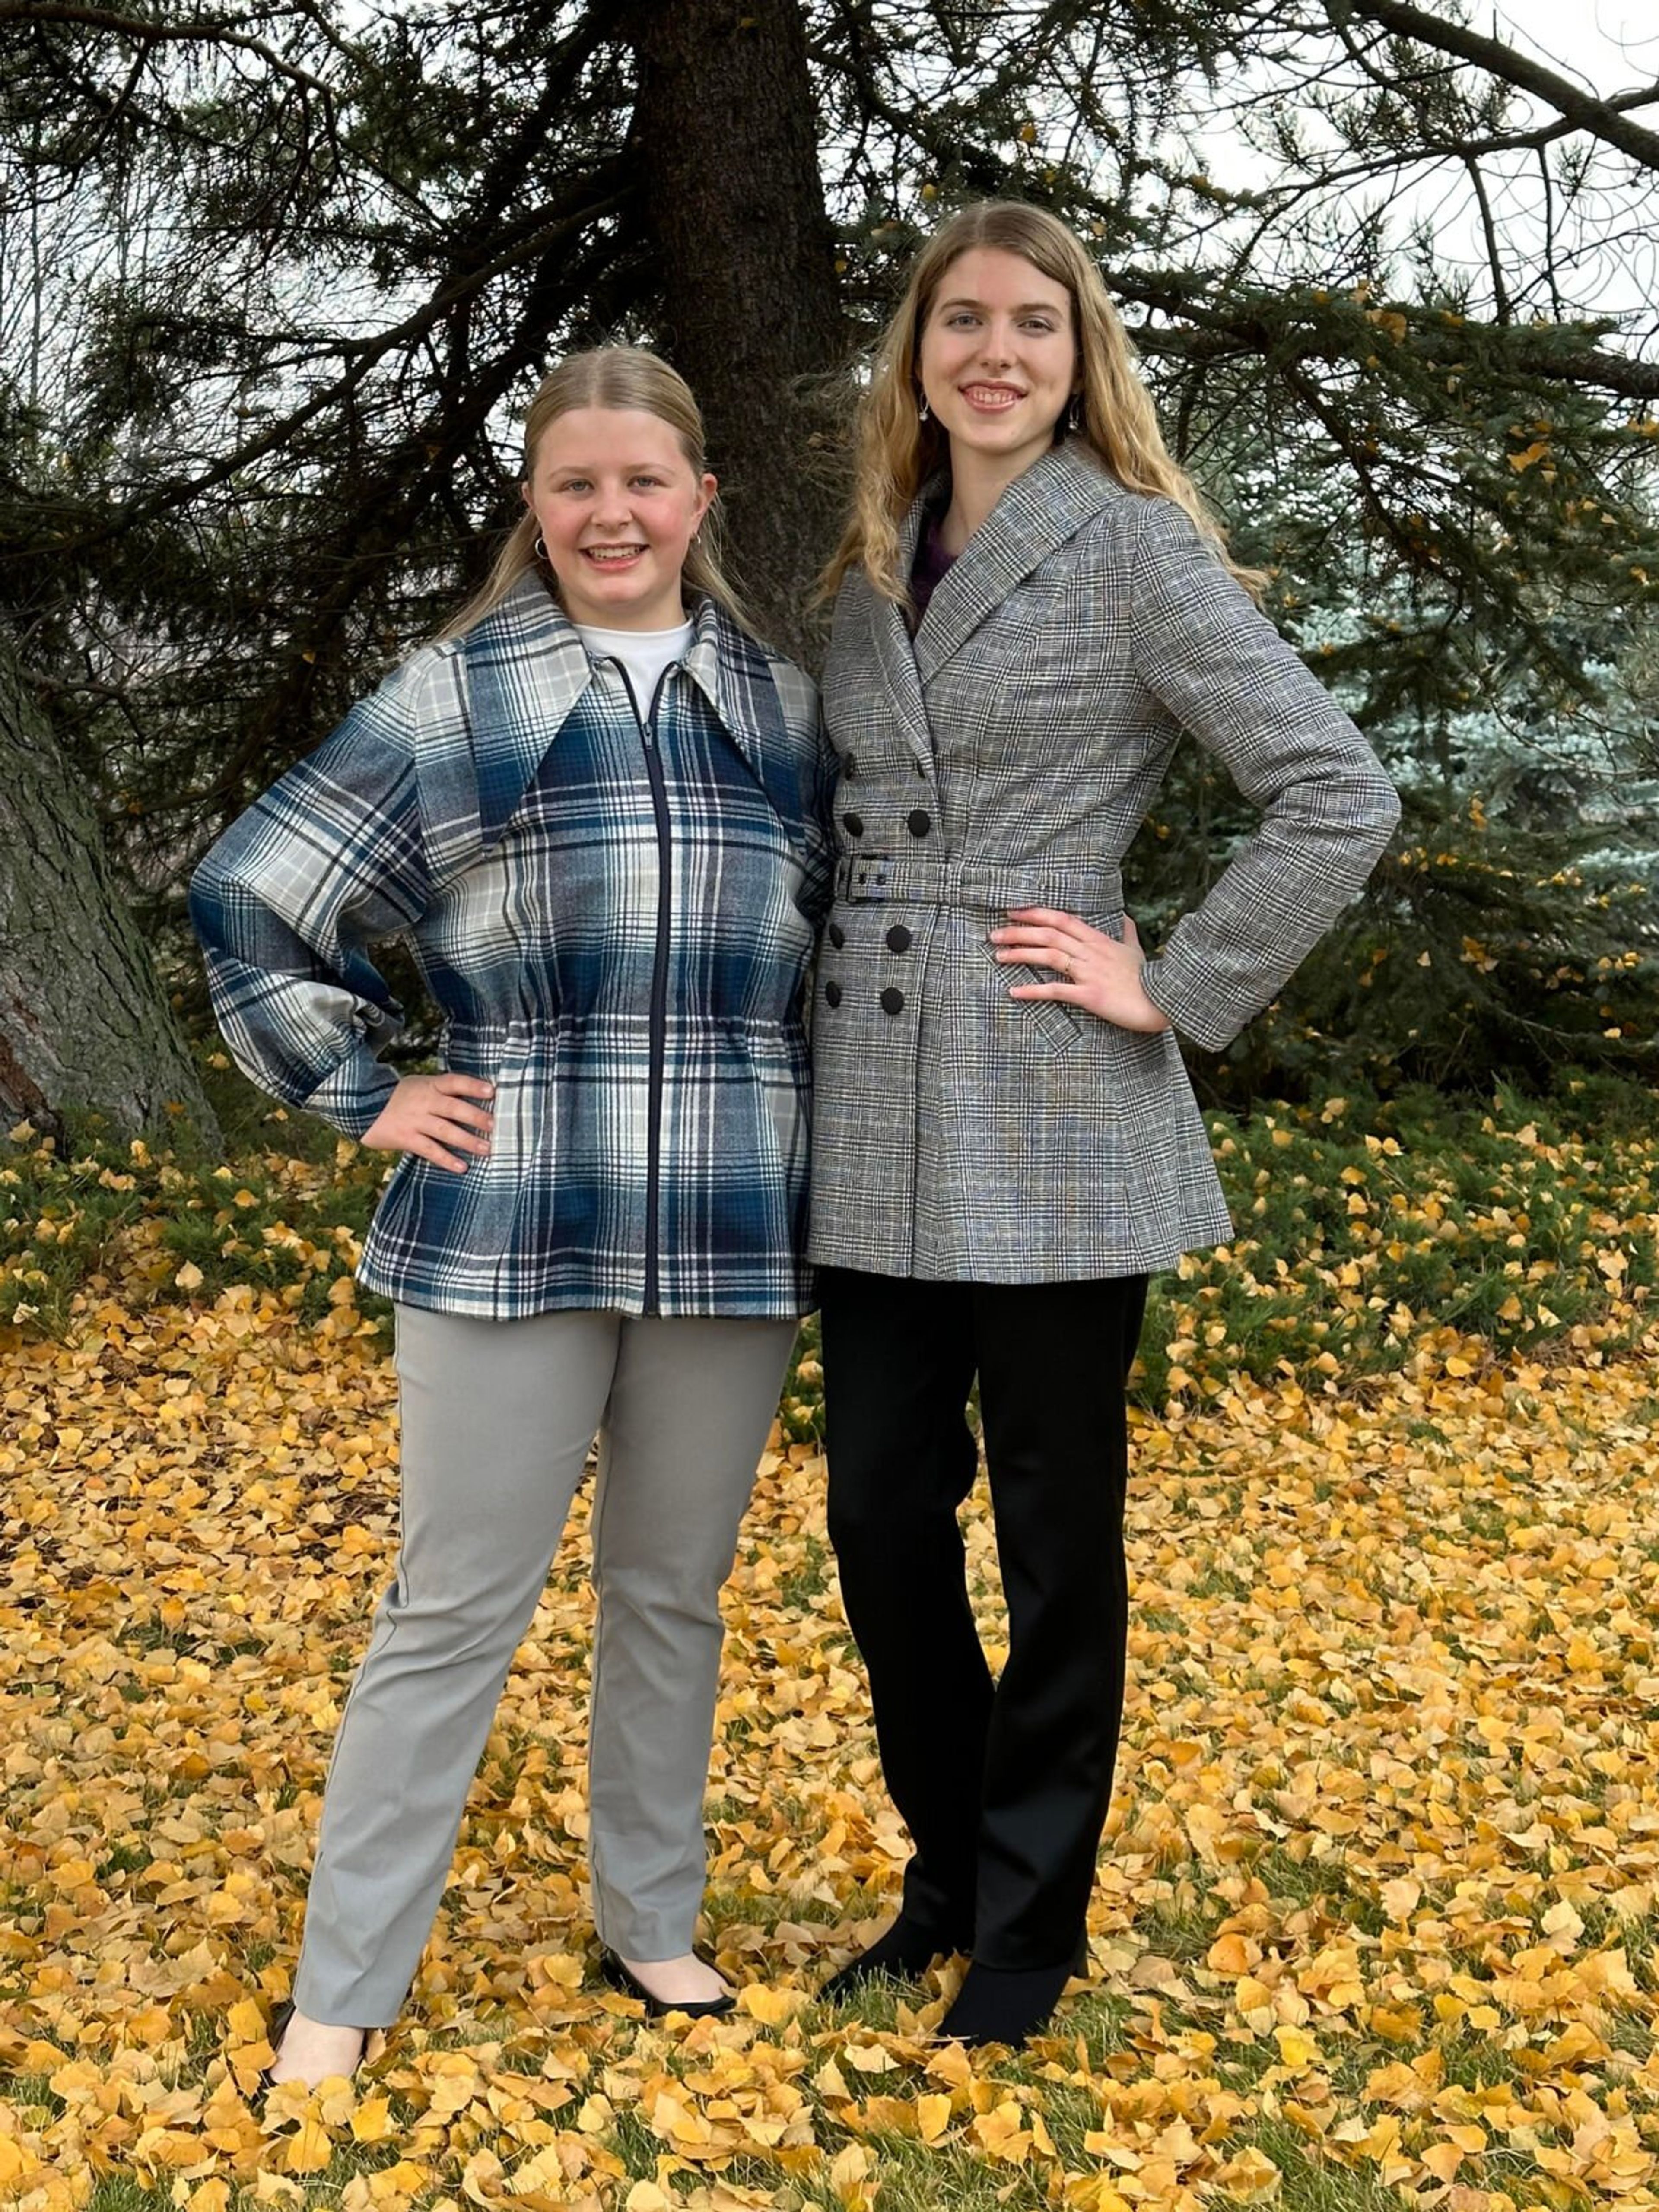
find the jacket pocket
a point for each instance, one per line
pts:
(1058, 1025)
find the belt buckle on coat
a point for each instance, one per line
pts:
(864, 876)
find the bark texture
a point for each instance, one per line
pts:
(725, 134)
(84, 1023)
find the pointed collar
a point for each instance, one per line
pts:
(1043, 507)
(527, 667)
(734, 674)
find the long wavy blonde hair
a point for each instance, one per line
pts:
(897, 452)
(608, 376)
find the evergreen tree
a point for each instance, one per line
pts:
(277, 277)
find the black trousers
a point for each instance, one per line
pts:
(1004, 1786)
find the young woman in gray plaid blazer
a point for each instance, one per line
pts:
(1033, 607)
(599, 817)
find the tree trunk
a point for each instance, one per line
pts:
(84, 1023)
(726, 134)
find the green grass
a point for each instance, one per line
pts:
(1311, 2181)
(1520, 1224)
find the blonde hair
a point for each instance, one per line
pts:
(897, 452)
(608, 376)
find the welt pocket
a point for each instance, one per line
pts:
(1054, 1021)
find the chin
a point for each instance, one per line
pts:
(1016, 423)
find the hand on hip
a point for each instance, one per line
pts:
(1098, 973)
(429, 1113)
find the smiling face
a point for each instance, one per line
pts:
(997, 358)
(617, 503)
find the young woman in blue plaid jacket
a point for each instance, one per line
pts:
(596, 810)
(1034, 607)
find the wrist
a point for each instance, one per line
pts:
(1159, 1018)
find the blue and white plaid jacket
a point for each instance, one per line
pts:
(616, 921)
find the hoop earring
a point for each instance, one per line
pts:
(924, 412)
(541, 547)
(1074, 412)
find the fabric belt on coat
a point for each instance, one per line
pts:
(1093, 890)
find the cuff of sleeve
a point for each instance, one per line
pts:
(354, 1095)
(1183, 998)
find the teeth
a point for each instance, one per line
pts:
(602, 553)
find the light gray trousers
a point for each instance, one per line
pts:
(497, 1417)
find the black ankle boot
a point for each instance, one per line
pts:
(902, 1954)
(1002, 2004)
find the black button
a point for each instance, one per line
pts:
(892, 1002)
(838, 935)
(854, 824)
(849, 766)
(898, 939)
(920, 822)
(832, 991)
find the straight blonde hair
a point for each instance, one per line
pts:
(896, 453)
(608, 376)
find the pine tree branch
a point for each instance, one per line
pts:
(198, 31)
(1605, 119)
(597, 197)
(1210, 327)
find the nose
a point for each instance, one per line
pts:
(997, 349)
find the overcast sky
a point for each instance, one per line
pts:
(1610, 47)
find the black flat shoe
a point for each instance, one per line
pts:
(281, 2015)
(903, 1954)
(614, 1971)
(1002, 2004)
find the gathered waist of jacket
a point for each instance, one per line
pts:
(536, 1032)
(980, 886)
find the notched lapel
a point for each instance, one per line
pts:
(895, 651)
(1037, 513)
(525, 669)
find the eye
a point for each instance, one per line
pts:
(651, 484)
(961, 315)
(572, 483)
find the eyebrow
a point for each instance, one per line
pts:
(1029, 307)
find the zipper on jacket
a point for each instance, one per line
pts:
(658, 1022)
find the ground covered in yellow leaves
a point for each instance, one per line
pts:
(1377, 1921)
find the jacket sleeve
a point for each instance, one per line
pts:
(328, 862)
(1214, 660)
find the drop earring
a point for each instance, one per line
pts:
(924, 412)
(1074, 412)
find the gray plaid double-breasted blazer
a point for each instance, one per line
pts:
(1006, 757)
